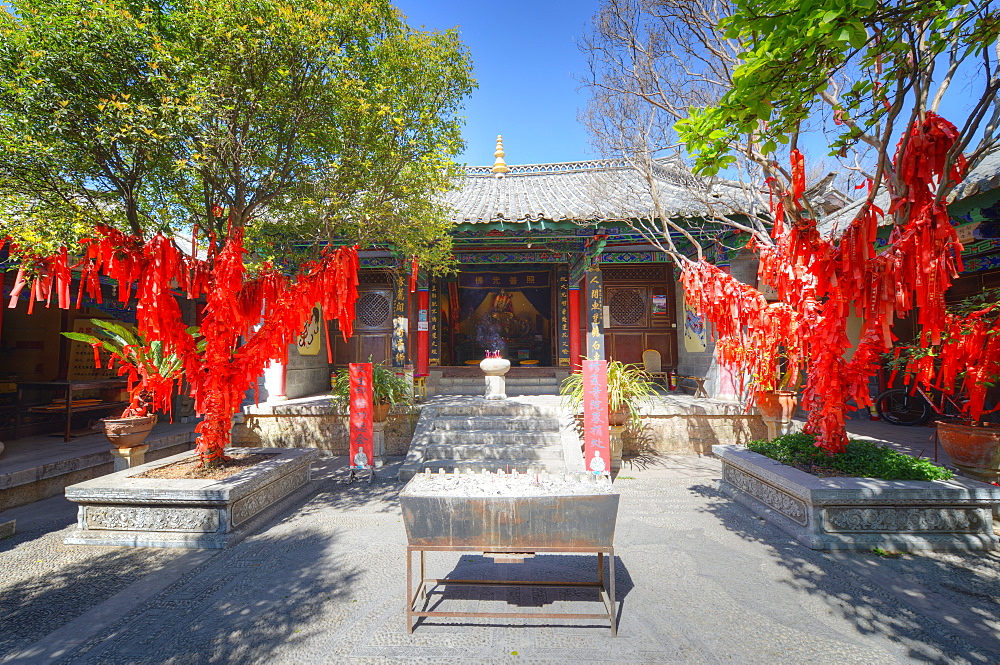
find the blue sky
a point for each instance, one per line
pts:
(528, 65)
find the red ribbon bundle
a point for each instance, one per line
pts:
(819, 282)
(266, 312)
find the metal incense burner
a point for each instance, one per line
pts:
(509, 517)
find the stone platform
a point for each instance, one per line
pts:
(316, 421)
(125, 509)
(859, 514)
(37, 467)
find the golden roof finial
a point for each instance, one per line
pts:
(499, 166)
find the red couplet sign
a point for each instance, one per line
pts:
(597, 439)
(361, 416)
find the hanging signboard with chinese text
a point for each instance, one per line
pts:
(595, 315)
(361, 450)
(597, 438)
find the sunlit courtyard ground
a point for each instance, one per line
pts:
(699, 580)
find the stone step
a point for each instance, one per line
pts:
(522, 466)
(511, 391)
(481, 381)
(491, 437)
(484, 409)
(509, 452)
(519, 423)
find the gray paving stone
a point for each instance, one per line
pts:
(700, 580)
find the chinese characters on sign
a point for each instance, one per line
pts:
(399, 323)
(562, 300)
(361, 450)
(506, 280)
(596, 437)
(595, 315)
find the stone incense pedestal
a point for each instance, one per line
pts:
(496, 384)
(124, 509)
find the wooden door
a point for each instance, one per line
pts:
(372, 328)
(640, 314)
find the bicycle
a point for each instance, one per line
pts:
(903, 406)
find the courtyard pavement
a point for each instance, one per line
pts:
(700, 580)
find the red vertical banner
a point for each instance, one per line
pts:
(574, 328)
(361, 450)
(423, 332)
(597, 436)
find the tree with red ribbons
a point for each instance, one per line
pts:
(248, 321)
(745, 86)
(266, 131)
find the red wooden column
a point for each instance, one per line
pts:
(581, 332)
(574, 327)
(423, 331)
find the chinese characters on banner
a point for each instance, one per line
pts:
(595, 315)
(361, 450)
(597, 439)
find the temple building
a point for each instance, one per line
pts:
(549, 270)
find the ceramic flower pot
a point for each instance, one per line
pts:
(777, 407)
(380, 412)
(973, 448)
(128, 432)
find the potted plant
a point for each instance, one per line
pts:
(145, 365)
(629, 386)
(964, 361)
(388, 389)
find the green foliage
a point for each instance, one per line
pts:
(130, 348)
(793, 50)
(387, 386)
(862, 459)
(326, 118)
(628, 388)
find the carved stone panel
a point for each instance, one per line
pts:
(250, 505)
(786, 504)
(132, 518)
(911, 520)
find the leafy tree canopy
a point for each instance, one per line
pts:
(871, 62)
(310, 120)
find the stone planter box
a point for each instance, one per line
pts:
(862, 513)
(120, 509)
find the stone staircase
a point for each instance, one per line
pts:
(475, 385)
(528, 432)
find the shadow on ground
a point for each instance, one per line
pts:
(247, 604)
(941, 606)
(523, 600)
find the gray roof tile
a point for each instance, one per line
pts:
(600, 190)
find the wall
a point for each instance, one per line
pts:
(316, 423)
(305, 374)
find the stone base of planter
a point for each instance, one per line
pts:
(121, 509)
(862, 513)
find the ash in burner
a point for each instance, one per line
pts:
(500, 484)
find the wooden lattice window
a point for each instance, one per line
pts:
(627, 307)
(655, 273)
(372, 310)
(383, 277)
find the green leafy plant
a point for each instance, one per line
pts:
(629, 387)
(387, 386)
(863, 459)
(144, 361)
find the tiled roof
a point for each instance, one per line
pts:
(984, 177)
(599, 190)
